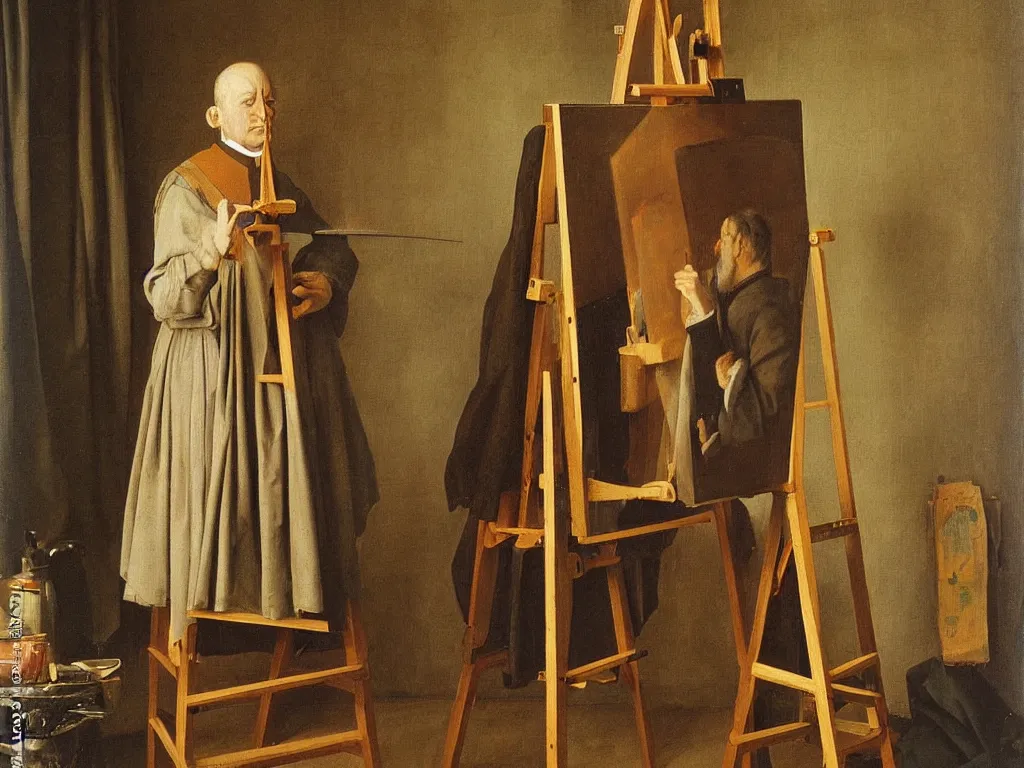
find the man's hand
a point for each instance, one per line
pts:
(722, 366)
(222, 231)
(314, 288)
(688, 283)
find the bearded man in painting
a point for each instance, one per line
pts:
(743, 329)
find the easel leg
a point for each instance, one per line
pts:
(735, 603)
(459, 720)
(877, 717)
(485, 574)
(745, 695)
(156, 641)
(557, 616)
(796, 515)
(538, 354)
(282, 655)
(356, 652)
(625, 641)
(282, 309)
(854, 552)
(885, 748)
(557, 597)
(182, 714)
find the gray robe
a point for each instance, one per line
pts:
(243, 497)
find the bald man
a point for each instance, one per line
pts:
(244, 497)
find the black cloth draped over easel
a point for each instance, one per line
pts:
(486, 459)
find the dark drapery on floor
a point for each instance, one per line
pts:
(69, 190)
(958, 721)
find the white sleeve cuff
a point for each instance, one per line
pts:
(697, 316)
(737, 377)
(709, 445)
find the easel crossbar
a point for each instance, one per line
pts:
(156, 725)
(164, 661)
(782, 677)
(603, 665)
(643, 530)
(851, 668)
(255, 690)
(779, 734)
(306, 625)
(273, 755)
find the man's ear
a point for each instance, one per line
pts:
(213, 117)
(746, 250)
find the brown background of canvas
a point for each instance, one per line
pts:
(616, 159)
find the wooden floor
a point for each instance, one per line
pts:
(502, 734)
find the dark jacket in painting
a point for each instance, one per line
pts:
(758, 322)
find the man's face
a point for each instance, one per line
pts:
(245, 106)
(727, 249)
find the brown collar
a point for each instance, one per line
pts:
(227, 176)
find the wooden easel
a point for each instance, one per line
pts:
(839, 737)
(669, 82)
(354, 676)
(178, 742)
(521, 517)
(531, 523)
(266, 236)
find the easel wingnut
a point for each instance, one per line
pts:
(541, 291)
(580, 565)
(820, 236)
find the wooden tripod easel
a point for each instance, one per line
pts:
(353, 676)
(839, 737)
(522, 517)
(668, 80)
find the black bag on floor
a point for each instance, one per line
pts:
(958, 720)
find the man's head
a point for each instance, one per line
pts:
(243, 103)
(744, 248)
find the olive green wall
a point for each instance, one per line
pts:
(409, 115)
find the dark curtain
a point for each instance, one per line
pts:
(30, 490)
(70, 196)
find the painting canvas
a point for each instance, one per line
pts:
(650, 192)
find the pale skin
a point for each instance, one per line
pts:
(244, 104)
(736, 260)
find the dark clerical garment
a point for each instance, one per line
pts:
(243, 496)
(749, 424)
